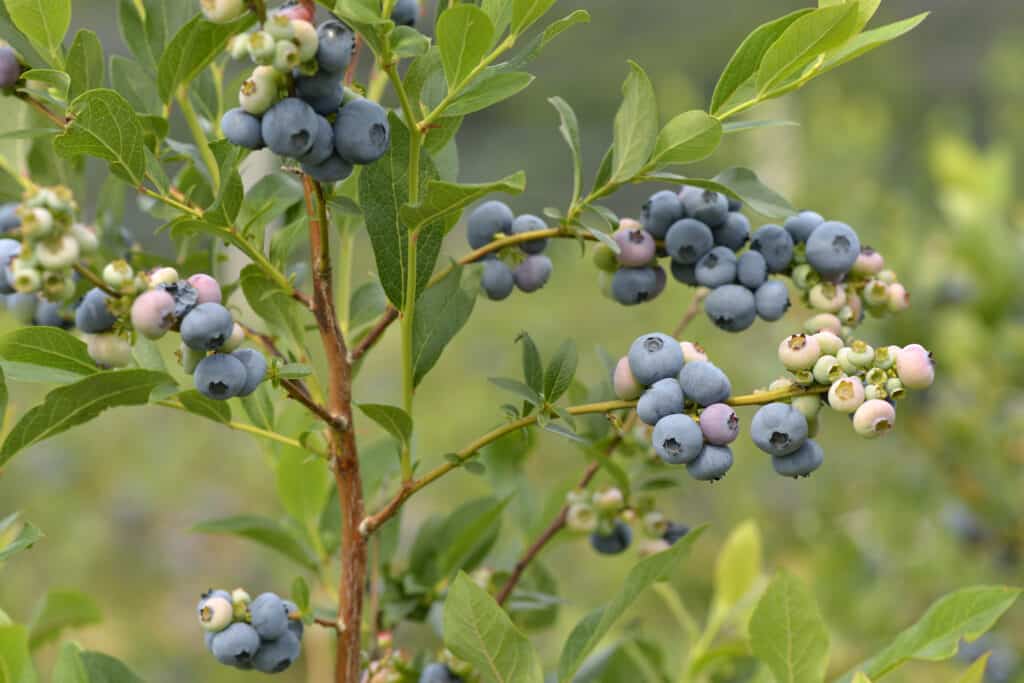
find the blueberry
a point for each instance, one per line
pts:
(615, 541)
(716, 268)
(712, 464)
(220, 376)
(153, 313)
(438, 673)
(778, 429)
(207, 288)
(775, 245)
(734, 232)
(802, 225)
(215, 612)
(295, 626)
(660, 280)
(487, 220)
(405, 12)
(242, 128)
(497, 280)
(92, 315)
(10, 67)
(323, 145)
(660, 212)
(22, 306)
(9, 219)
(720, 424)
(362, 132)
(330, 171)
(186, 297)
(832, 249)
(48, 314)
(636, 246)
(290, 128)
(751, 269)
(655, 356)
(9, 249)
(207, 327)
(533, 273)
(236, 645)
(801, 462)
(874, 418)
(709, 207)
(688, 239)
(323, 91)
(255, 364)
(530, 223)
(631, 286)
(665, 397)
(915, 367)
(734, 204)
(685, 273)
(269, 616)
(674, 533)
(772, 300)
(731, 308)
(704, 383)
(337, 43)
(677, 439)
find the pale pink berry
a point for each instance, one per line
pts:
(874, 418)
(626, 386)
(207, 288)
(828, 297)
(915, 367)
(153, 313)
(630, 224)
(830, 342)
(799, 352)
(846, 394)
(109, 350)
(636, 247)
(720, 424)
(824, 321)
(692, 351)
(869, 262)
(899, 298)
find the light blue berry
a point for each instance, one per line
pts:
(92, 315)
(778, 429)
(405, 12)
(734, 232)
(709, 207)
(653, 357)
(438, 673)
(533, 273)
(631, 286)
(255, 364)
(801, 462)
(290, 127)
(751, 269)
(772, 300)
(685, 273)
(323, 146)
(665, 397)
(716, 268)
(323, 91)
(337, 42)
(497, 280)
(775, 245)
(362, 133)
(530, 223)
(275, 656)
(704, 383)
(615, 541)
(486, 221)
(9, 218)
(236, 645)
(220, 376)
(677, 439)
(688, 240)
(295, 626)
(712, 464)
(242, 128)
(832, 249)
(332, 170)
(269, 616)
(207, 327)
(660, 212)
(731, 308)
(802, 225)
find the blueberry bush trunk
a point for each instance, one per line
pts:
(242, 77)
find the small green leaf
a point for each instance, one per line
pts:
(470, 534)
(533, 366)
(560, 371)
(443, 199)
(103, 668)
(85, 63)
(570, 130)
(738, 565)
(865, 9)
(15, 659)
(60, 610)
(541, 40)
(300, 593)
(193, 48)
(408, 42)
(26, 538)
(868, 41)
(493, 85)
(303, 484)
(465, 34)
(393, 419)
(743, 126)
(516, 387)
(525, 13)
(636, 125)
(69, 667)
(58, 81)
(442, 311)
(104, 125)
(50, 349)
(271, 303)
(788, 634)
(197, 404)
(266, 532)
(687, 138)
(809, 36)
(44, 23)
(294, 371)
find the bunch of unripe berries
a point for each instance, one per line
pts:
(605, 516)
(264, 633)
(295, 102)
(526, 268)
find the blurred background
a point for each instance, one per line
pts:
(918, 146)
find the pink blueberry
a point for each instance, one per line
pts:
(823, 322)
(829, 342)
(869, 262)
(720, 424)
(899, 298)
(153, 313)
(846, 394)
(636, 246)
(626, 386)
(207, 287)
(692, 351)
(874, 418)
(915, 367)
(799, 352)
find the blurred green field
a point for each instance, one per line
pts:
(918, 147)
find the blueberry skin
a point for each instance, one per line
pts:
(255, 364)
(778, 429)
(677, 439)
(186, 297)
(734, 204)
(207, 327)
(731, 308)
(775, 245)
(832, 249)
(220, 376)
(10, 67)
(486, 221)
(323, 146)
(712, 464)
(530, 223)
(674, 533)
(48, 315)
(801, 462)
(497, 280)
(751, 269)
(631, 286)
(330, 171)
(533, 273)
(687, 240)
(719, 424)
(660, 212)
(704, 383)
(9, 218)
(802, 225)
(295, 626)
(277, 655)
(22, 306)
(405, 12)
(323, 91)
(438, 673)
(269, 616)
(665, 397)
(772, 300)
(290, 128)
(707, 206)
(685, 273)
(362, 132)
(337, 43)
(236, 645)
(242, 128)
(716, 268)
(653, 357)
(734, 232)
(8, 250)
(92, 315)
(614, 542)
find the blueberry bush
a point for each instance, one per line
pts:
(311, 122)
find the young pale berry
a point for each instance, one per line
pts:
(651, 546)
(875, 391)
(751, 269)
(704, 383)
(800, 463)
(238, 46)
(692, 351)
(716, 268)
(660, 212)
(269, 616)
(899, 298)
(609, 501)
(799, 352)
(803, 378)
(24, 278)
(215, 613)
(876, 376)
(207, 288)
(853, 312)
(731, 308)
(613, 542)
(846, 394)
(887, 276)
(236, 339)
(636, 246)
(824, 322)
(625, 384)
(488, 220)
(36, 223)
(802, 225)
(895, 388)
(828, 297)
(832, 249)
(57, 253)
(88, 240)
(828, 342)
(874, 418)
(711, 464)
(222, 11)
(655, 524)
(665, 397)
(734, 232)
(236, 645)
(869, 262)
(653, 357)
(707, 206)
(118, 274)
(861, 354)
(720, 424)
(778, 429)
(279, 27)
(804, 277)
(808, 406)
(306, 39)
(876, 293)
(530, 223)
(581, 518)
(827, 369)
(846, 362)
(677, 439)
(915, 367)
(772, 300)
(782, 384)
(109, 350)
(775, 244)
(163, 276)
(885, 356)
(262, 47)
(688, 240)
(153, 313)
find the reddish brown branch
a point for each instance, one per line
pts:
(389, 316)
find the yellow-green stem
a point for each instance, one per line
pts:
(243, 427)
(199, 135)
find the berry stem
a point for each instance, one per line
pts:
(95, 279)
(242, 427)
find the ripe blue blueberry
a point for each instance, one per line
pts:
(269, 616)
(236, 645)
(438, 673)
(220, 376)
(330, 171)
(685, 273)
(660, 212)
(337, 42)
(688, 240)
(207, 327)
(323, 145)
(487, 220)
(716, 268)
(9, 249)
(802, 225)
(677, 439)
(323, 91)
(775, 245)
(734, 232)
(731, 308)
(255, 369)
(10, 67)
(751, 269)
(655, 356)
(709, 207)
(405, 12)
(704, 383)
(92, 315)
(275, 656)
(48, 314)
(674, 533)
(631, 286)
(295, 626)
(712, 464)
(530, 223)
(362, 132)
(615, 541)
(778, 429)
(832, 249)
(497, 280)
(22, 306)
(242, 128)
(9, 218)
(720, 424)
(533, 273)
(772, 300)
(801, 462)
(665, 397)
(290, 128)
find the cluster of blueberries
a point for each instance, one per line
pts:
(604, 515)
(10, 66)
(532, 269)
(294, 103)
(264, 634)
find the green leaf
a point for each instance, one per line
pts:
(687, 138)
(193, 48)
(59, 81)
(516, 387)
(408, 42)
(3, 393)
(541, 40)
(230, 195)
(469, 534)
(533, 366)
(103, 668)
(15, 660)
(266, 532)
(26, 538)
(493, 85)
(294, 371)
(465, 35)
(747, 58)
(442, 311)
(499, 12)
(592, 628)
(85, 63)
(865, 9)
(60, 610)
(270, 302)
(57, 353)
(393, 419)
(636, 126)
(300, 593)
(69, 667)
(788, 634)
(104, 125)
(738, 565)
(303, 484)
(44, 23)
(75, 404)
(478, 631)
(861, 678)
(743, 126)
(147, 38)
(197, 404)
(560, 371)
(570, 130)
(443, 199)
(869, 40)
(526, 12)
(966, 613)
(975, 673)
(809, 36)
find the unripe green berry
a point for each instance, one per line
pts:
(216, 614)
(827, 296)
(822, 322)
(26, 278)
(238, 47)
(190, 358)
(575, 496)
(876, 293)
(57, 253)
(827, 370)
(782, 384)
(222, 11)
(609, 501)
(846, 394)
(862, 354)
(235, 340)
(36, 223)
(885, 356)
(876, 376)
(845, 362)
(58, 286)
(655, 524)
(805, 277)
(109, 350)
(875, 391)
(163, 276)
(118, 273)
(88, 240)
(256, 96)
(286, 56)
(829, 342)
(799, 352)
(894, 387)
(808, 406)
(605, 258)
(899, 298)
(804, 378)
(262, 47)
(887, 276)
(651, 546)
(581, 518)
(306, 38)
(279, 26)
